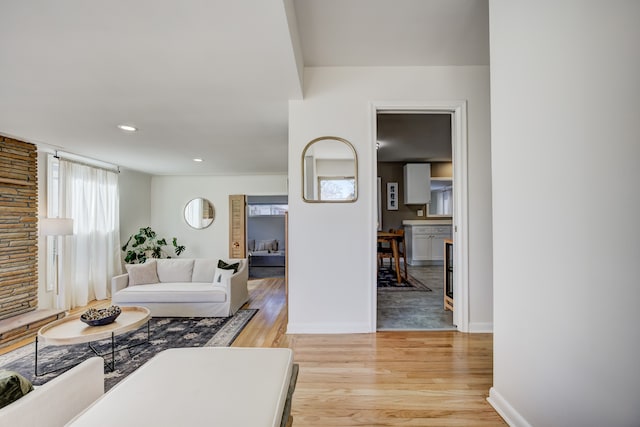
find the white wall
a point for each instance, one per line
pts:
(565, 87)
(332, 246)
(135, 202)
(170, 194)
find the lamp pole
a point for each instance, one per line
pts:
(56, 227)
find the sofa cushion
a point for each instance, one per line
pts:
(266, 245)
(12, 387)
(221, 275)
(203, 269)
(175, 270)
(225, 266)
(171, 292)
(142, 274)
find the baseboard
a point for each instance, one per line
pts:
(328, 328)
(506, 411)
(481, 327)
(360, 328)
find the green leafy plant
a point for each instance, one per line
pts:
(147, 244)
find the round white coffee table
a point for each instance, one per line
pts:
(71, 330)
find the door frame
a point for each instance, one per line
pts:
(460, 226)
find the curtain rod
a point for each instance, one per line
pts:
(66, 157)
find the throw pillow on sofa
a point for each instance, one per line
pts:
(223, 265)
(221, 275)
(12, 387)
(142, 274)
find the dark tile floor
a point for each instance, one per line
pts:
(412, 310)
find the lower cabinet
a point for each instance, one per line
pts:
(437, 247)
(418, 247)
(425, 243)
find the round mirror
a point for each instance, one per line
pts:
(329, 171)
(199, 213)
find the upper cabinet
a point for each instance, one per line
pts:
(417, 185)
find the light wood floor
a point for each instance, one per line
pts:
(382, 379)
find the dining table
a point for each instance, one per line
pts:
(392, 239)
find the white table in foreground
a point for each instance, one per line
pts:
(72, 330)
(202, 386)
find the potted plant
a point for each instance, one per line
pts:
(147, 244)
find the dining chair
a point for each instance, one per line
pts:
(386, 252)
(402, 250)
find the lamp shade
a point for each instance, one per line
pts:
(56, 226)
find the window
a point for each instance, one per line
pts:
(267, 210)
(337, 188)
(441, 197)
(91, 257)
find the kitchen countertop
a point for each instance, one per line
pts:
(427, 222)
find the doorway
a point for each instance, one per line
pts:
(266, 236)
(414, 154)
(395, 119)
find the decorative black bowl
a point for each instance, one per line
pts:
(93, 317)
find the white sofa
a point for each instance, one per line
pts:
(185, 288)
(56, 402)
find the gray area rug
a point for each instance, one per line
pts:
(164, 333)
(388, 281)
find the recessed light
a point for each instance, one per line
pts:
(127, 128)
(197, 159)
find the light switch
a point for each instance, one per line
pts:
(420, 212)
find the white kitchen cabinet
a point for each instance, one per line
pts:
(425, 243)
(437, 246)
(417, 183)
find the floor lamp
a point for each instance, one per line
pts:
(56, 227)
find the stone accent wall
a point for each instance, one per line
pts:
(18, 227)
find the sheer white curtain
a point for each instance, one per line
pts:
(92, 256)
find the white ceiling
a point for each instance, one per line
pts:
(202, 78)
(393, 32)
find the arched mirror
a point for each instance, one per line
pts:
(199, 213)
(329, 171)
